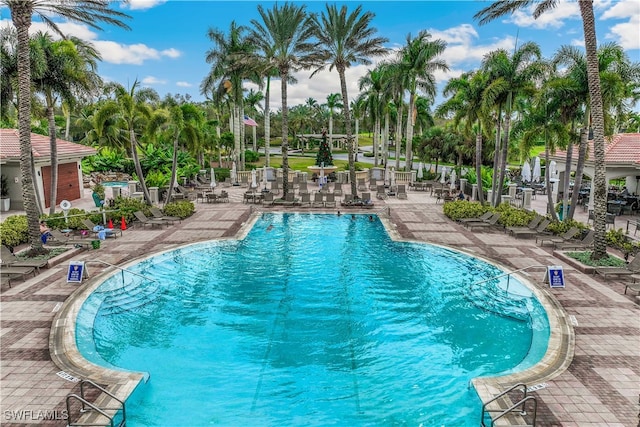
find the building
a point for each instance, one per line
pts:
(70, 155)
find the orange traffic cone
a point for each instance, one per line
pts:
(123, 224)
(110, 225)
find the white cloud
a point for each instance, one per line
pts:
(143, 4)
(136, 54)
(184, 84)
(171, 53)
(553, 18)
(577, 42)
(151, 80)
(626, 34)
(622, 9)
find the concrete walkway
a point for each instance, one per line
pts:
(600, 387)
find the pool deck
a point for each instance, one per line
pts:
(598, 352)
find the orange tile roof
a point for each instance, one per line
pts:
(10, 146)
(619, 148)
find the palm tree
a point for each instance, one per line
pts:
(252, 100)
(466, 105)
(334, 100)
(509, 77)
(290, 30)
(372, 84)
(418, 61)
(347, 39)
(504, 7)
(88, 12)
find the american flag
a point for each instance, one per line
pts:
(249, 121)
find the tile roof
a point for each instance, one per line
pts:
(10, 146)
(619, 148)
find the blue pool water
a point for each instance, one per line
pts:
(311, 320)
(115, 184)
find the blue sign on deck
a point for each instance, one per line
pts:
(76, 272)
(555, 276)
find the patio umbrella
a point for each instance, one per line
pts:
(392, 180)
(535, 176)
(264, 176)
(213, 179)
(526, 172)
(443, 175)
(552, 169)
(453, 179)
(420, 174)
(234, 175)
(321, 179)
(254, 183)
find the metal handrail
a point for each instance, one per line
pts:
(513, 387)
(108, 393)
(522, 402)
(123, 269)
(508, 274)
(92, 406)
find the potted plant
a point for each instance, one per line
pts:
(5, 201)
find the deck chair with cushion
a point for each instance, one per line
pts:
(10, 260)
(584, 243)
(305, 201)
(569, 234)
(57, 238)
(10, 273)
(402, 192)
(485, 216)
(484, 224)
(381, 192)
(540, 229)
(158, 214)
(100, 231)
(533, 224)
(330, 200)
(318, 200)
(337, 189)
(147, 221)
(632, 268)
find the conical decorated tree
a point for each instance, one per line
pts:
(324, 157)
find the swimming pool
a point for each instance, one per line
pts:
(115, 184)
(310, 320)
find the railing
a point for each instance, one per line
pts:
(123, 270)
(508, 275)
(88, 406)
(633, 223)
(502, 412)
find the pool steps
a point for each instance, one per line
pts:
(491, 297)
(129, 297)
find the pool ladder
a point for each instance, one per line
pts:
(501, 410)
(96, 414)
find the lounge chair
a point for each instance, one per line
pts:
(15, 272)
(530, 233)
(318, 200)
(362, 186)
(330, 200)
(488, 223)
(58, 238)
(632, 268)
(533, 224)
(10, 260)
(267, 199)
(99, 230)
(305, 201)
(402, 192)
(569, 234)
(484, 217)
(348, 200)
(381, 192)
(302, 188)
(147, 221)
(157, 214)
(275, 187)
(585, 242)
(337, 190)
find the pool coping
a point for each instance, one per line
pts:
(65, 354)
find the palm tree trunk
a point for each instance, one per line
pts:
(504, 148)
(53, 143)
(409, 146)
(496, 158)
(136, 162)
(597, 114)
(267, 122)
(174, 166)
(347, 119)
(567, 180)
(547, 176)
(582, 156)
(398, 134)
(285, 135)
(21, 16)
(479, 166)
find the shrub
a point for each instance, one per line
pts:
(14, 231)
(251, 156)
(560, 227)
(57, 221)
(514, 217)
(182, 209)
(460, 209)
(127, 206)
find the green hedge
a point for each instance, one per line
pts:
(14, 231)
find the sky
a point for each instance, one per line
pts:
(166, 46)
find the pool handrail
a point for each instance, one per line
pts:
(122, 269)
(508, 275)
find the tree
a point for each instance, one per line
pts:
(418, 61)
(504, 7)
(88, 12)
(252, 101)
(347, 39)
(324, 157)
(290, 30)
(334, 100)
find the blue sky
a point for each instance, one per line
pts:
(166, 45)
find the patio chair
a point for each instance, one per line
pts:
(362, 186)
(10, 260)
(318, 200)
(488, 223)
(267, 199)
(99, 231)
(10, 273)
(533, 224)
(530, 233)
(337, 190)
(485, 216)
(585, 242)
(147, 221)
(302, 188)
(305, 201)
(632, 268)
(348, 200)
(373, 184)
(275, 187)
(158, 214)
(381, 192)
(569, 234)
(58, 238)
(330, 200)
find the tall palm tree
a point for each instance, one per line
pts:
(504, 7)
(509, 77)
(347, 39)
(290, 30)
(252, 100)
(334, 100)
(372, 85)
(419, 60)
(89, 12)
